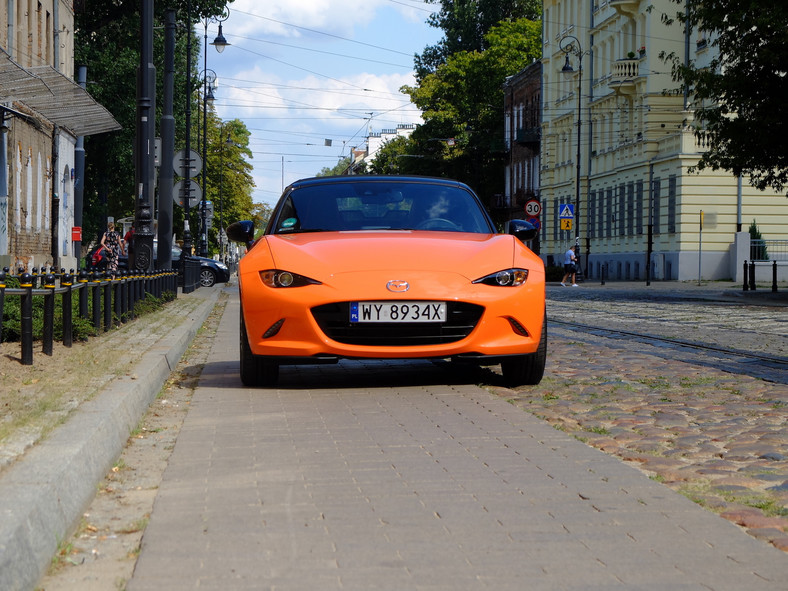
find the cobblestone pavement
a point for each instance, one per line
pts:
(719, 438)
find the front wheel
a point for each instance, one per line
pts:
(527, 370)
(256, 371)
(207, 277)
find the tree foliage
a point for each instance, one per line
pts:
(466, 23)
(462, 104)
(107, 41)
(387, 159)
(340, 168)
(739, 98)
(230, 183)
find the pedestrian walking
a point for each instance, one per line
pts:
(113, 247)
(128, 239)
(570, 266)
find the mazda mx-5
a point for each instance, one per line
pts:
(372, 267)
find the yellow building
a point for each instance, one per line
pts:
(631, 195)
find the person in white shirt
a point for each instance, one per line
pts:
(570, 266)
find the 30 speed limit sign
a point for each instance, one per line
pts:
(533, 208)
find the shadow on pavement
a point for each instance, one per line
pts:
(357, 374)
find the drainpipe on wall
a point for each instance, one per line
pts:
(10, 31)
(56, 36)
(590, 133)
(79, 174)
(687, 31)
(55, 198)
(3, 184)
(738, 204)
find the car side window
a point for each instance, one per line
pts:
(288, 217)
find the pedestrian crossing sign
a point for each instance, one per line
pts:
(566, 211)
(566, 224)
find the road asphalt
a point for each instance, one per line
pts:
(416, 513)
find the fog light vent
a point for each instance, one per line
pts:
(517, 327)
(274, 329)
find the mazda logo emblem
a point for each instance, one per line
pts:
(398, 286)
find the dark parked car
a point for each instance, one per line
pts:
(211, 271)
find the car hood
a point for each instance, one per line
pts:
(321, 255)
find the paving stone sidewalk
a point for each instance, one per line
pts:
(719, 438)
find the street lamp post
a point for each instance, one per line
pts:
(571, 44)
(209, 81)
(221, 193)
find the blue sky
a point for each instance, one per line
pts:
(300, 72)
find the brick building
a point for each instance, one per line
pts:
(43, 113)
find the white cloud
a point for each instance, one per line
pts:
(302, 71)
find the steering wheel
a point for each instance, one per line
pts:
(437, 224)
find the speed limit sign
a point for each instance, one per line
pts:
(533, 208)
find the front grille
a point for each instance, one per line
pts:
(334, 321)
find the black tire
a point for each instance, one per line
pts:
(207, 277)
(256, 371)
(527, 370)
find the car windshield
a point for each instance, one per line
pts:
(380, 206)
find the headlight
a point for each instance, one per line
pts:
(277, 278)
(505, 278)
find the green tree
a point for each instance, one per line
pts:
(389, 159)
(340, 168)
(758, 250)
(230, 181)
(107, 40)
(466, 23)
(739, 98)
(462, 106)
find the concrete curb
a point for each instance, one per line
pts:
(42, 498)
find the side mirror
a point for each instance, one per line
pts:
(242, 232)
(522, 230)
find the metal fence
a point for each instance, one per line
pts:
(769, 250)
(102, 300)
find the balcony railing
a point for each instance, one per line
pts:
(626, 69)
(625, 72)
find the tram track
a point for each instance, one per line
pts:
(756, 364)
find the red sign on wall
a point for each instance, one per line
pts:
(76, 234)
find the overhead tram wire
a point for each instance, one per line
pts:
(255, 84)
(273, 20)
(308, 71)
(323, 52)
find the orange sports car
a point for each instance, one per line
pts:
(388, 267)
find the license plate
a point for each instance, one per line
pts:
(398, 312)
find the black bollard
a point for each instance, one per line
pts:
(48, 336)
(67, 281)
(26, 306)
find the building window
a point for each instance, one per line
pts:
(592, 207)
(639, 207)
(622, 210)
(610, 215)
(672, 204)
(656, 205)
(631, 209)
